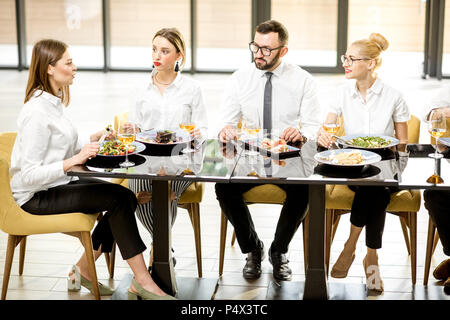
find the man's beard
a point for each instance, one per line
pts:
(267, 66)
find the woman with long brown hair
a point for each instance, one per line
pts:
(47, 146)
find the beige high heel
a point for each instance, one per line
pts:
(335, 272)
(373, 277)
(143, 294)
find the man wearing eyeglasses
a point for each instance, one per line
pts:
(281, 97)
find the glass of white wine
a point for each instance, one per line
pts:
(126, 134)
(436, 128)
(187, 125)
(332, 125)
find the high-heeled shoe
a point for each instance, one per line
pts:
(373, 277)
(143, 294)
(442, 271)
(335, 272)
(76, 280)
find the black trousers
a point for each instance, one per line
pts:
(369, 210)
(93, 196)
(292, 214)
(437, 202)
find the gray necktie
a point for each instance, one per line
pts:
(267, 125)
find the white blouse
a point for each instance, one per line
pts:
(383, 106)
(294, 98)
(45, 138)
(153, 110)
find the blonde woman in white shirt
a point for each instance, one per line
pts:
(368, 106)
(161, 106)
(47, 146)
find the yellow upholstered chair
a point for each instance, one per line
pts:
(405, 204)
(268, 194)
(19, 224)
(189, 200)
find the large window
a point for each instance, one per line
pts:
(312, 27)
(76, 22)
(223, 34)
(134, 23)
(8, 37)
(401, 22)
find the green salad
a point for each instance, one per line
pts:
(370, 142)
(115, 148)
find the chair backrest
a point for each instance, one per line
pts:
(119, 117)
(7, 140)
(413, 129)
(7, 202)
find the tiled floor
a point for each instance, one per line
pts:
(96, 97)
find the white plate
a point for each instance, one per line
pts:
(149, 137)
(368, 157)
(393, 140)
(139, 148)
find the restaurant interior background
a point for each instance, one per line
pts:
(110, 42)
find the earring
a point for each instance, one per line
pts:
(177, 68)
(153, 66)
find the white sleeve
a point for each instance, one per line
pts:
(310, 110)
(34, 139)
(401, 111)
(230, 108)
(199, 114)
(440, 100)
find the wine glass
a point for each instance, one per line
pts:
(187, 125)
(332, 125)
(251, 127)
(436, 128)
(126, 134)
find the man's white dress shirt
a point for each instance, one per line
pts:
(45, 138)
(294, 99)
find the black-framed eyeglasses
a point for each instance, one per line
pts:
(350, 60)
(265, 51)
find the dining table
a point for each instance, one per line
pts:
(212, 161)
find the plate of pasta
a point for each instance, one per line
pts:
(347, 157)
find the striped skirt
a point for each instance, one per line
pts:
(144, 212)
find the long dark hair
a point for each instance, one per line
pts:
(45, 52)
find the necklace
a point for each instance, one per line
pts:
(164, 84)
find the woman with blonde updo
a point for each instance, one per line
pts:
(368, 106)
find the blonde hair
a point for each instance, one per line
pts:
(174, 36)
(45, 52)
(372, 47)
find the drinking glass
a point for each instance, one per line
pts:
(332, 126)
(436, 128)
(251, 127)
(126, 134)
(187, 125)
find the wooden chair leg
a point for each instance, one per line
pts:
(233, 238)
(112, 261)
(223, 239)
(436, 240)
(404, 225)
(13, 241)
(329, 217)
(413, 242)
(23, 246)
(429, 251)
(335, 223)
(194, 214)
(306, 240)
(87, 243)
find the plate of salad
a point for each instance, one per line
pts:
(115, 148)
(368, 141)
